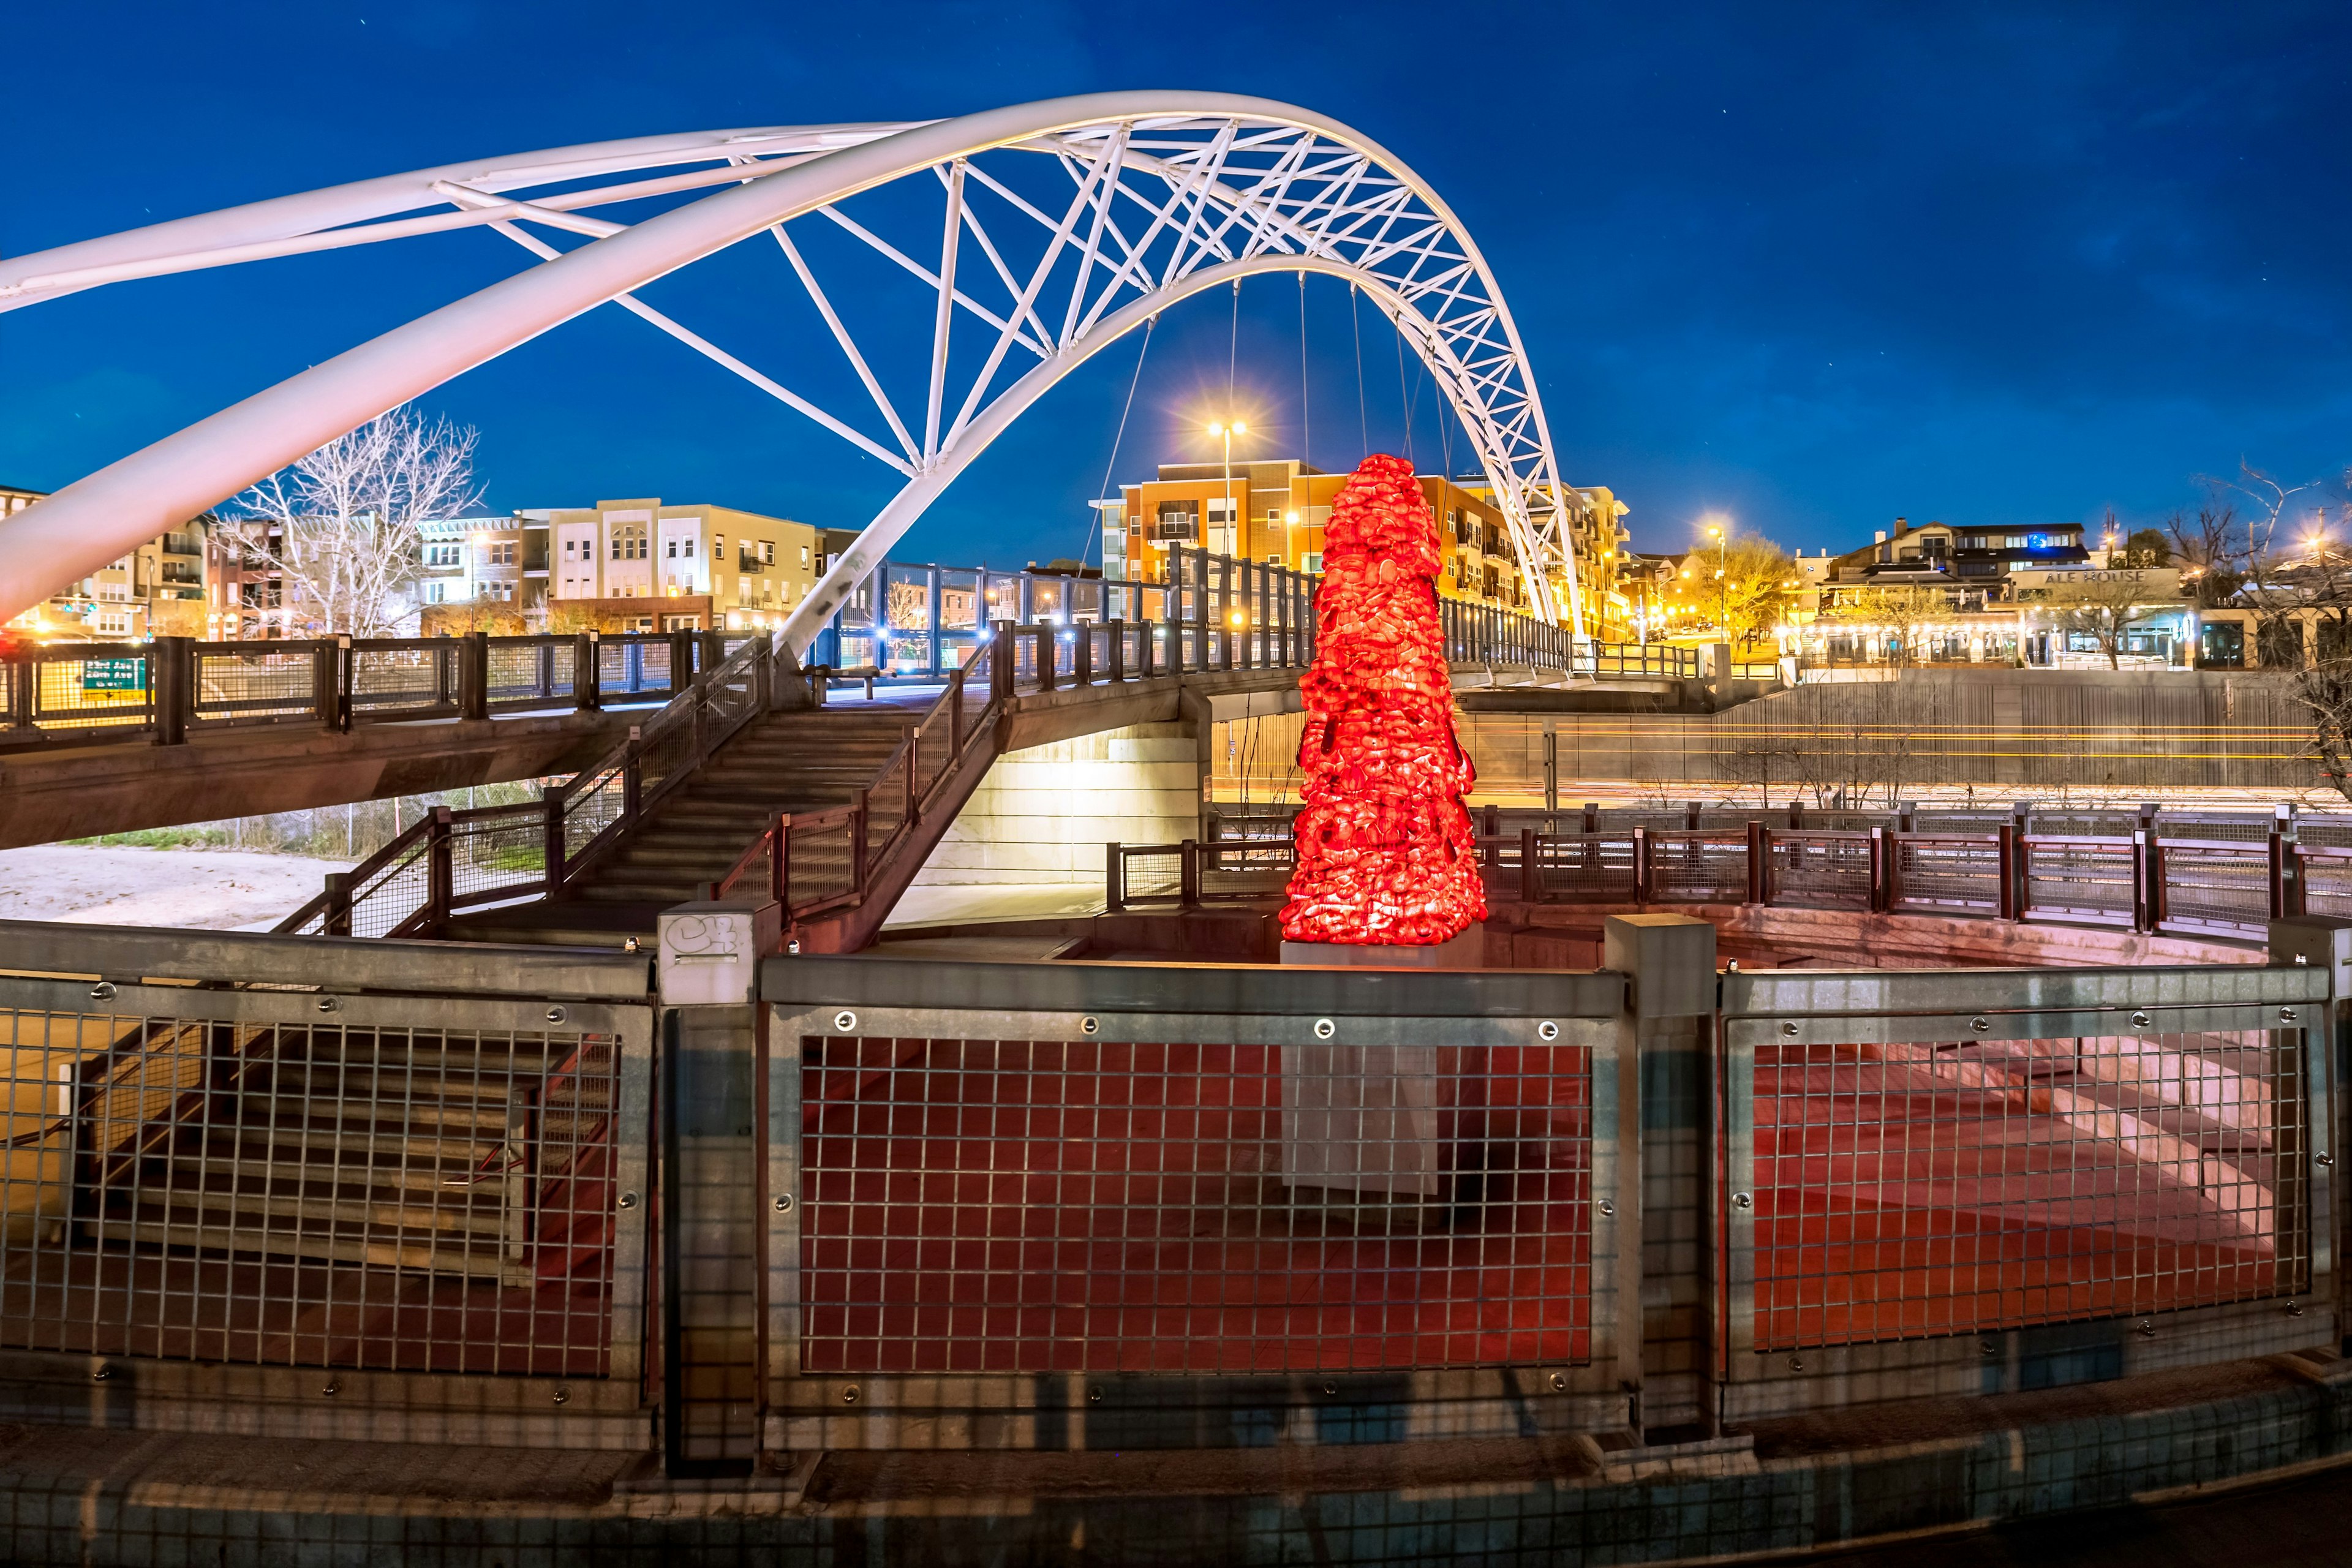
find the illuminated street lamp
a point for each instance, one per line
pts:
(1225, 430)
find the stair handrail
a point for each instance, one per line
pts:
(623, 758)
(317, 909)
(773, 844)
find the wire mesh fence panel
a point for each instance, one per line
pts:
(255, 682)
(665, 750)
(497, 852)
(394, 892)
(819, 861)
(1956, 819)
(981, 1205)
(1152, 873)
(633, 666)
(1585, 865)
(228, 1180)
(1824, 870)
(2326, 881)
(1946, 875)
(1914, 1190)
(528, 671)
(2215, 827)
(396, 678)
(1241, 870)
(99, 686)
(1697, 868)
(2217, 886)
(2325, 831)
(2080, 879)
(591, 805)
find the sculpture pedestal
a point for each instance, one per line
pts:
(1465, 951)
(1360, 1122)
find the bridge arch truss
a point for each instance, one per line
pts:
(1037, 235)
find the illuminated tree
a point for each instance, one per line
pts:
(1385, 852)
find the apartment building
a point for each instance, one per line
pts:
(157, 590)
(1275, 509)
(644, 564)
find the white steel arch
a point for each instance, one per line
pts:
(1060, 226)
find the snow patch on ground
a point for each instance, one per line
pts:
(203, 889)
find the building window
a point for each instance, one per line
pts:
(1177, 520)
(717, 547)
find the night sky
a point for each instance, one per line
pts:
(1813, 266)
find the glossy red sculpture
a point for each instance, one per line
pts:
(1385, 854)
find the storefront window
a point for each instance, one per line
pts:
(2222, 646)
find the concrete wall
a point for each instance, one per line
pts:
(2004, 730)
(1043, 814)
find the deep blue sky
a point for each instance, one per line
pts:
(1815, 266)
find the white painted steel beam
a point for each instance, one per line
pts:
(1168, 192)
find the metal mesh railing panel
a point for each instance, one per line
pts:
(308, 1194)
(498, 852)
(1152, 873)
(103, 687)
(393, 891)
(1911, 1191)
(527, 670)
(2080, 879)
(1698, 868)
(1596, 866)
(1946, 876)
(1019, 1206)
(591, 805)
(254, 682)
(2326, 882)
(820, 862)
(395, 678)
(1236, 869)
(1817, 870)
(2217, 886)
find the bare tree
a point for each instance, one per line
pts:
(2211, 563)
(1899, 611)
(2101, 605)
(346, 518)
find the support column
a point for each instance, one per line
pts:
(713, 1182)
(1666, 1044)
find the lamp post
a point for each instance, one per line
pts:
(1226, 429)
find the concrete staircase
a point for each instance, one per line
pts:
(403, 1150)
(812, 760)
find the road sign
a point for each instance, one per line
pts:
(115, 675)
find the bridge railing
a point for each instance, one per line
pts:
(166, 690)
(2140, 881)
(1099, 1205)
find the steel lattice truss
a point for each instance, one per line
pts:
(1057, 226)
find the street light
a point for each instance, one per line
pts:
(1225, 430)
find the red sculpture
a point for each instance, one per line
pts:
(1385, 852)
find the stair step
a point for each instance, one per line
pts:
(484, 1257)
(478, 1209)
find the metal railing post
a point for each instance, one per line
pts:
(931, 595)
(1114, 883)
(2146, 868)
(2005, 901)
(857, 842)
(1188, 873)
(587, 673)
(780, 861)
(440, 875)
(1643, 881)
(1760, 879)
(1002, 658)
(336, 921)
(474, 676)
(633, 776)
(1044, 657)
(1082, 656)
(1530, 881)
(329, 676)
(1883, 873)
(171, 687)
(551, 849)
(1116, 650)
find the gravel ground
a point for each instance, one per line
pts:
(208, 889)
